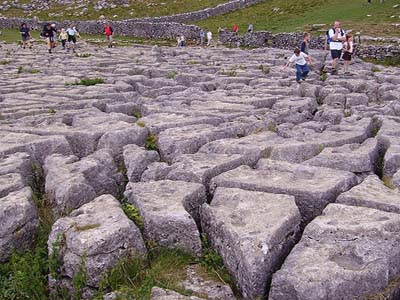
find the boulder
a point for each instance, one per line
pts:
(347, 252)
(136, 160)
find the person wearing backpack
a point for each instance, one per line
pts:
(48, 34)
(25, 35)
(335, 38)
(108, 31)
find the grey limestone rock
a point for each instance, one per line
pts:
(170, 210)
(136, 160)
(312, 187)
(18, 222)
(347, 252)
(164, 294)
(9, 183)
(374, 194)
(156, 171)
(253, 232)
(98, 234)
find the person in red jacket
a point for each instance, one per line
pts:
(235, 28)
(108, 31)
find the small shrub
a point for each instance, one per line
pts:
(230, 73)
(347, 113)
(172, 74)
(5, 62)
(52, 111)
(83, 55)
(323, 77)
(137, 114)
(141, 123)
(152, 142)
(319, 100)
(264, 69)
(132, 212)
(88, 81)
(272, 127)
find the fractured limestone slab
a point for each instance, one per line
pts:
(372, 193)
(253, 232)
(170, 210)
(312, 187)
(345, 253)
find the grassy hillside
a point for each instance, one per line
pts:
(297, 15)
(136, 9)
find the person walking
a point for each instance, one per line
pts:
(63, 37)
(305, 44)
(25, 36)
(48, 34)
(335, 38)
(72, 35)
(235, 28)
(250, 28)
(209, 38)
(202, 37)
(348, 52)
(108, 31)
(300, 59)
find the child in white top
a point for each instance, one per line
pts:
(348, 48)
(300, 59)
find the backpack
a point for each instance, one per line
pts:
(328, 39)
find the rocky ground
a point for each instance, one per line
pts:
(296, 185)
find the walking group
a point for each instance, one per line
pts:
(337, 41)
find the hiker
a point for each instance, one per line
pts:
(348, 52)
(335, 38)
(300, 59)
(63, 37)
(54, 37)
(25, 36)
(250, 28)
(235, 28)
(209, 38)
(72, 35)
(36, 23)
(48, 34)
(202, 36)
(178, 41)
(183, 41)
(305, 44)
(108, 31)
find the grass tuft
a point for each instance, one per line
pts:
(152, 142)
(87, 81)
(172, 74)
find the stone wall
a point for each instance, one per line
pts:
(132, 27)
(293, 40)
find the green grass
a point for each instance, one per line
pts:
(294, 15)
(87, 81)
(152, 142)
(136, 9)
(387, 62)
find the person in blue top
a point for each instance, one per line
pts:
(25, 36)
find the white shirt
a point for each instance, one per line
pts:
(299, 60)
(71, 31)
(209, 35)
(336, 45)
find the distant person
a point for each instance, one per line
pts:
(63, 37)
(335, 38)
(235, 28)
(305, 44)
(202, 37)
(25, 36)
(183, 41)
(300, 59)
(250, 28)
(53, 39)
(209, 38)
(36, 23)
(48, 34)
(348, 52)
(108, 31)
(72, 35)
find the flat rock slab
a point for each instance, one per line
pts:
(312, 187)
(356, 158)
(345, 253)
(9, 183)
(253, 232)
(202, 167)
(170, 210)
(18, 222)
(100, 233)
(372, 193)
(164, 294)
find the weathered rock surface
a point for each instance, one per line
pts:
(312, 187)
(345, 253)
(253, 232)
(374, 194)
(164, 294)
(97, 235)
(170, 210)
(137, 160)
(18, 222)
